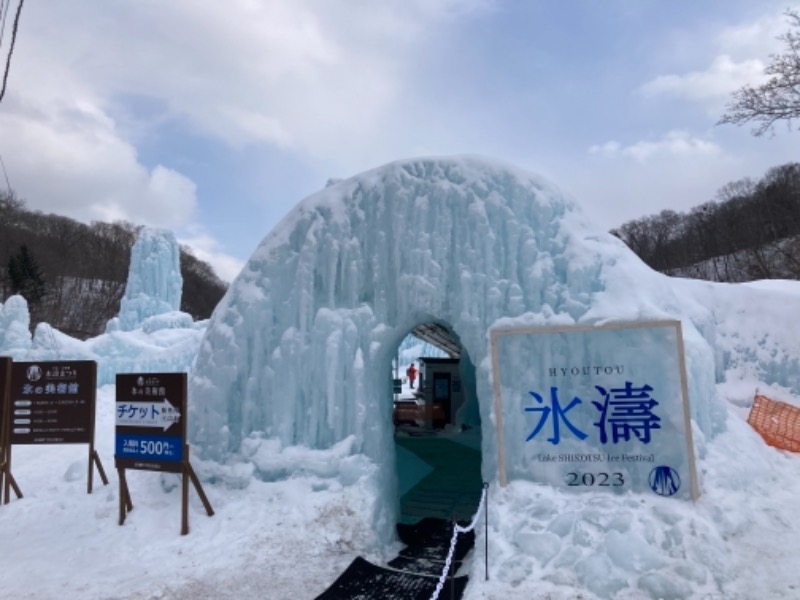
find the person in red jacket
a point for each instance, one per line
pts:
(411, 371)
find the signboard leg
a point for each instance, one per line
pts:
(200, 492)
(184, 502)
(125, 504)
(94, 459)
(189, 474)
(7, 481)
(11, 483)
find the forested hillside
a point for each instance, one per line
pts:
(73, 275)
(750, 231)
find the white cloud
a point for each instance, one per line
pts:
(608, 149)
(303, 75)
(207, 249)
(743, 53)
(712, 85)
(72, 161)
(756, 39)
(674, 144)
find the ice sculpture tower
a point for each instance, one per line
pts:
(154, 279)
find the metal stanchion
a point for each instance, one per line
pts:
(486, 529)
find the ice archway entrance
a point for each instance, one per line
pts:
(299, 350)
(437, 427)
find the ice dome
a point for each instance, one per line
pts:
(299, 350)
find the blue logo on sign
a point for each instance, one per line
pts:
(664, 481)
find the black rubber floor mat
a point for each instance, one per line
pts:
(430, 538)
(363, 580)
(422, 565)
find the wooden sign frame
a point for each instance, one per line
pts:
(147, 402)
(52, 394)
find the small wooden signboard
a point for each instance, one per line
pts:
(151, 434)
(52, 402)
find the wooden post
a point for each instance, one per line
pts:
(200, 492)
(94, 461)
(9, 483)
(184, 500)
(187, 475)
(125, 504)
(94, 458)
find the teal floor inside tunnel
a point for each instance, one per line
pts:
(439, 475)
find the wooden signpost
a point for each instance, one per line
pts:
(6, 478)
(151, 434)
(51, 402)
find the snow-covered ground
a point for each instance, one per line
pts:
(290, 539)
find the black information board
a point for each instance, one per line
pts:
(53, 402)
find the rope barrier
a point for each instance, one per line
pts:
(456, 530)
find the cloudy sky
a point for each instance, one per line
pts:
(214, 118)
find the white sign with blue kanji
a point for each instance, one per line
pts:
(595, 408)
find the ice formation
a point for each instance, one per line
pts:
(154, 283)
(15, 335)
(300, 349)
(299, 353)
(149, 335)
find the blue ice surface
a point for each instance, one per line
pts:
(154, 284)
(301, 347)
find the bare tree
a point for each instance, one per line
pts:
(779, 98)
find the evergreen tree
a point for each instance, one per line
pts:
(25, 275)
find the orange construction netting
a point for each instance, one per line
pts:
(777, 422)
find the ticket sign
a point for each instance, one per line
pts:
(595, 408)
(52, 402)
(150, 421)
